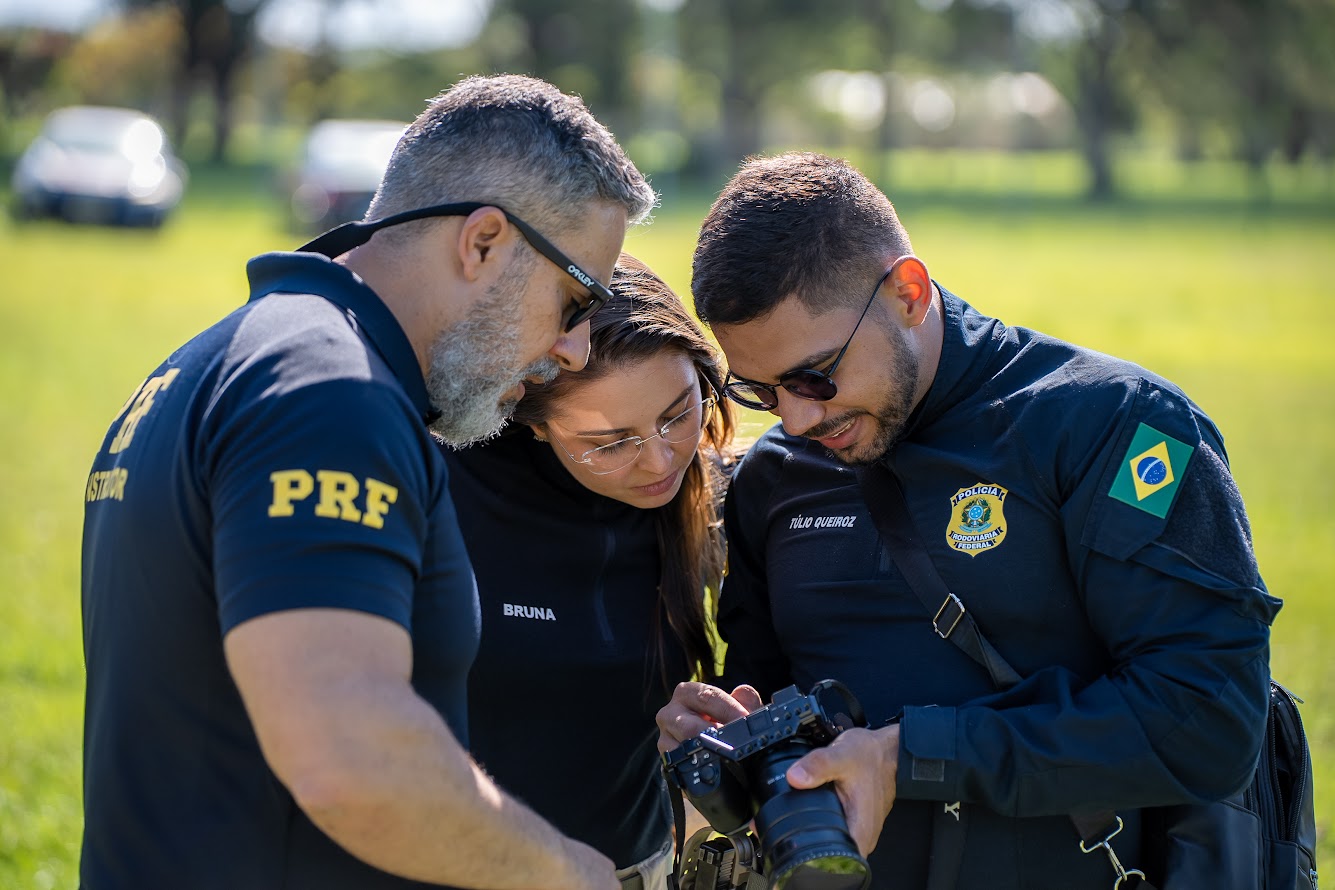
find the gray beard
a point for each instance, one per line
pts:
(475, 364)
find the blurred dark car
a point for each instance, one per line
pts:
(342, 163)
(99, 165)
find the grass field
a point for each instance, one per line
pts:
(1233, 300)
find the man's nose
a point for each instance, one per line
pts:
(798, 414)
(571, 349)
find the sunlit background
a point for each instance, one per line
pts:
(1152, 178)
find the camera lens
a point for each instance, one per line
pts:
(804, 837)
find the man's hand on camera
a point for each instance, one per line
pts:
(861, 763)
(697, 706)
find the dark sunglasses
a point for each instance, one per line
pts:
(340, 239)
(805, 383)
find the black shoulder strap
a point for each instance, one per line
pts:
(950, 619)
(952, 622)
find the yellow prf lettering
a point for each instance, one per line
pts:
(142, 403)
(337, 492)
(289, 486)
(378, 498)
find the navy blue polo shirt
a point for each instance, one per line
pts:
(279, 460)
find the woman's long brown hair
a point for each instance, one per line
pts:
(644, 319)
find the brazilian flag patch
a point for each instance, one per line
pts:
(1151, 471)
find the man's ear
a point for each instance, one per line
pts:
(913, 286)
(483, 231)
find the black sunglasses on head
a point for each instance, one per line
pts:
(340, 239)
(805, 383)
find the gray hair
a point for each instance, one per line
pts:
(517, 142)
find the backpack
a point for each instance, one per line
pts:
(1264, 837)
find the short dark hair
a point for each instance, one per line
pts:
(797, 224)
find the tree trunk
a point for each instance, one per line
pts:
(1096, 96)
(741, 111)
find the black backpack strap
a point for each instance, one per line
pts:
(952, 622)
(950, 619)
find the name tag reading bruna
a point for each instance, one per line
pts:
(736, 774)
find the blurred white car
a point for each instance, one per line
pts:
(100, 165)
(342, 164)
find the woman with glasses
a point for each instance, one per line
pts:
(592, 525)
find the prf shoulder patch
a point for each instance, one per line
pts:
(977, 519)
(1151, 471)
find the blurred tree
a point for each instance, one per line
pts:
(1262, 69)
(587, 48)
(108, 65)
(1258, 70)
(758, 56)
(27, 58)
(1080, 46)
(1101, 101)
(218, 36)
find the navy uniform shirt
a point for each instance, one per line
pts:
(568, 581)
(279, 460)
(1083, 510)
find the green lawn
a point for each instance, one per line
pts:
(1230, 300)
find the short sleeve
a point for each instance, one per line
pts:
(321, 496)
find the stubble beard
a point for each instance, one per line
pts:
(891, 418)
(475, 364)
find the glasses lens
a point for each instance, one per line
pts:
(756, 397)
(584, 313)
(610, 458)
(808, 384)
(687, 424)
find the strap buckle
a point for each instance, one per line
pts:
(1122, 873)
(950, 600)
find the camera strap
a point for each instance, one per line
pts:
(678, 828)
(686, 852)
(952, 622)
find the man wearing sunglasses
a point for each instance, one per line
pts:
(279, 613)
(1102, 643)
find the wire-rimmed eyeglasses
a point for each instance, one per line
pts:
(622, 453)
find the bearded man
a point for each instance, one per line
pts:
(279, 613)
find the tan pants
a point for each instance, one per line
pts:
(651, 874)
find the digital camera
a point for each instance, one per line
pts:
(736, 773)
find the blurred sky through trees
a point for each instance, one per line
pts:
(351, 24)
(694, 86)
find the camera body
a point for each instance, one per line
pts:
(737, 772)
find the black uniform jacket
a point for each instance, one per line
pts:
(567, 681)
(1083, 510)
